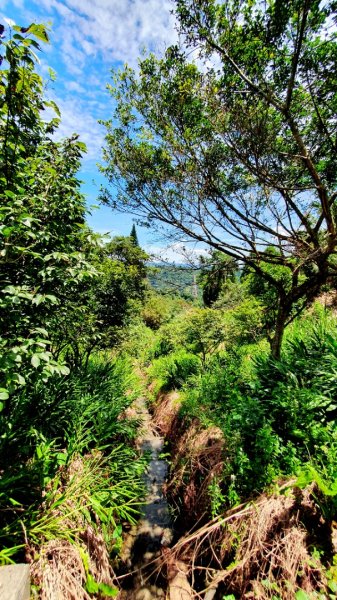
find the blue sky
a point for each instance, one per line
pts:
(88, 39)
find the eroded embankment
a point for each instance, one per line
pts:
(197, 459)
(279, 545)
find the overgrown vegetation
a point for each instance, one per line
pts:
(245, 424)
(242, 378)
(70, 472)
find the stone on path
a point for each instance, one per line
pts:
(15, 582)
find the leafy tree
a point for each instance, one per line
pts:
(216, 271)
(121, 286)
(160, 308)
(241, 155)
(42, 216)
(205, 330)
(259, 287)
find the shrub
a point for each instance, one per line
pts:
(174, 370)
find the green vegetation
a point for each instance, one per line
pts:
(174, 280)
(241, 158)
(70, 472)
(248, 428)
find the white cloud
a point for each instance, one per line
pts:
(76, 118)
(74, 86)
(116, 29)
(178, 252)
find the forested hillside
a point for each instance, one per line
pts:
(170, 432)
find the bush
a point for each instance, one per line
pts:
(275, 415)
(173, 371)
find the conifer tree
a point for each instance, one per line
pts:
(133, 235)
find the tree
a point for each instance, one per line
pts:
(216, 271)
(42, 216)
(121, 286)
(133, 235)
(240, 155)
(205, 331)
(259, 288)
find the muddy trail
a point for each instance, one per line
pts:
(146, 543)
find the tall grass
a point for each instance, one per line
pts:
(68, 458)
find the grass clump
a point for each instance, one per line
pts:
(173, 370)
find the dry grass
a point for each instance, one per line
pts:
(59, 572)
(165, 412)
(259, 550)
(61, 565)
(197, 457)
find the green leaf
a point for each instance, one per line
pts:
(10, 194)
(117, 532)
(39, 31)
(4, 395)
(301, 595)
(108, 590)
(332, 585)
(19, 379)
(64, 370)
(55, 107)
(93, 587)
(35, 360)
(38, 299)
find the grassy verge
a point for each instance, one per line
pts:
(71, 477)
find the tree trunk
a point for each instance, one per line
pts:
(276, 341)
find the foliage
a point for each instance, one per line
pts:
(42, 220)
(133, 235)
(173, 370)
(205, 329)
(76, 419)
(121, 286)
(159, 309)
(68, 465)
(215, 273)
(239, 156)
(175, 280)
(275, 415)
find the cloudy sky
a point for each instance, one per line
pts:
(88, 38)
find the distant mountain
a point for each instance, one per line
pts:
(177, 280)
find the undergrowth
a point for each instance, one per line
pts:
(276, 416)
(255, 436)
(69, 465)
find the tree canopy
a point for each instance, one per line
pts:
(240, 151)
